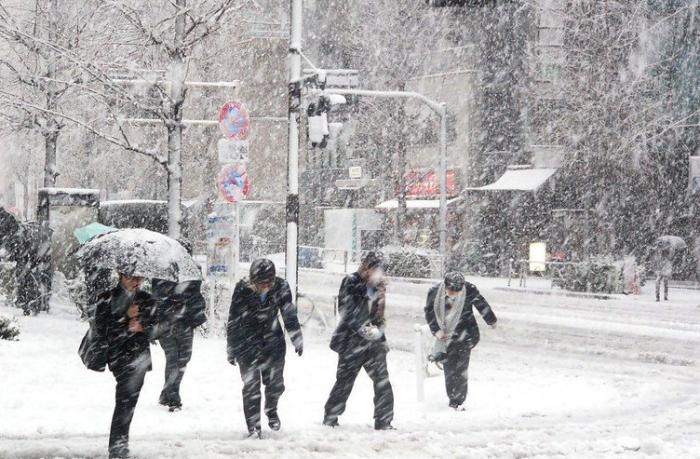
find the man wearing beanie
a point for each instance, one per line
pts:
(255, 340)
(449, 313)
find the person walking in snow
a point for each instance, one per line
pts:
(449, 314)
(360, 342)
(125, 321)
(181, 309)
(663, 268)
(255, 340)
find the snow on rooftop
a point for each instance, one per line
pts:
(80, 191)
(519, 179)
(415, 203)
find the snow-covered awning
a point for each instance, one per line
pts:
(519, 179)
(415, 203)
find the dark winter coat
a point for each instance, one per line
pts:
(180, 306)
(354, 312)
(253, 331)
(467, 331)
(112, 326)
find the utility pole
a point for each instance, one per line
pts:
(295, 85)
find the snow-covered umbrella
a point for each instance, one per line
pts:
(671, 242)
(140, 252)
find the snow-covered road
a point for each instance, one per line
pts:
(560, 377)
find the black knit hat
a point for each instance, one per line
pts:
(454, 280)
(373, 260)
(262, 270)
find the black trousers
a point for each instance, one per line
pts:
(271, 373)
(129, 384)
(456, 369)
(373, 359)
(661, 279)
(178, 352)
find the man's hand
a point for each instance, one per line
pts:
(493, 325)
(441, 335)
(133, 311)
(299, 349)
(232, 361)
(135, 326)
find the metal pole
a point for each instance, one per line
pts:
(443, 188)
(291, 272)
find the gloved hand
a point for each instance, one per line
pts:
(371, 333)
(299, 348)
(493, 325)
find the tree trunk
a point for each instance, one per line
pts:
(51, 129)
(178, 73)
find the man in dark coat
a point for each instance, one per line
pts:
(180, 309)
(255, 340)
(449, 313)
(126, 319)
(360, 342)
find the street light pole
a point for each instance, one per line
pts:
(293, 150)
(440, 108)
(443, 187)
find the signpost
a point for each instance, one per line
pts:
(231, 151)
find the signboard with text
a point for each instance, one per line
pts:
(425, 183)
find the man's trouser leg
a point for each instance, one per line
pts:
(377, 370)
(658, 287)
(665, 288)
(251, 395)
(184, 340)
(456, 369)
(273, 379)
(349, 365)
(129, 384)
(169, 345)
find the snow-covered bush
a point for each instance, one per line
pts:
(9, 328)
(407, 262)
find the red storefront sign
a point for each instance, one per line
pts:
(425, 183)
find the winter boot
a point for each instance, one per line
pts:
(383, 426)
(331, 422)
(457, 407)
(274, 421)
(254, 432)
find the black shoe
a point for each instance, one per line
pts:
(174, 407)
(254, 432)
(383, 426)
(331, 422)
(274, 423)
(457, 407)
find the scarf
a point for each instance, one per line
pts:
(447, 320)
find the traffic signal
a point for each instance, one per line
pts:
(319, 130)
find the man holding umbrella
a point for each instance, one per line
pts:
(125, 321)
(255, 340)
(449, 313)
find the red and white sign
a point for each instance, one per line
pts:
(233, 182)
(234, 121)
(425, 183)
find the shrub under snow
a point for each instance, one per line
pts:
(9, 328)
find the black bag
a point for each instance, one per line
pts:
(93, 350)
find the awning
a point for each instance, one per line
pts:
(518, 180)
(415, 203)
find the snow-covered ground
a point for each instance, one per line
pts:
(559, 377)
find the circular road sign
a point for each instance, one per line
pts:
(233, 182)
(234, 121)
